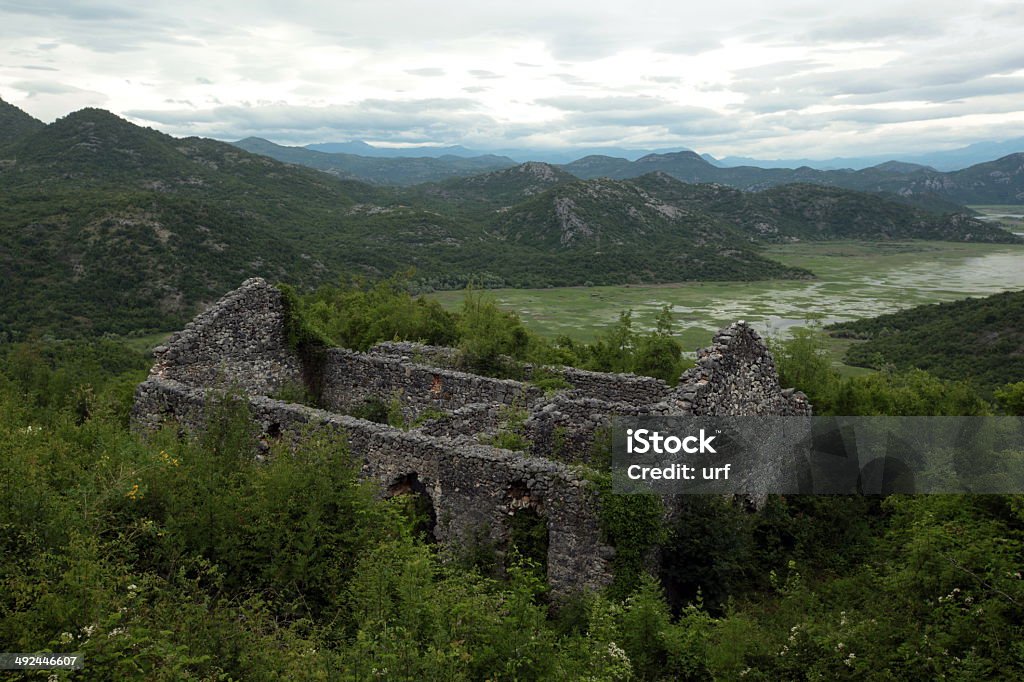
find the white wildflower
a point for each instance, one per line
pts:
(616, 652)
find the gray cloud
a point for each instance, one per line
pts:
(878, 26)
(412, 120)
(695, 44)
(790, 62)
(430, 72)
(79, 11)
(33, 88)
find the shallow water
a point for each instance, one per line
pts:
(855, 280)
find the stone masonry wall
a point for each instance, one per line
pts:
(565, 428)
(736, 375)
(621, 388)
(239, 341)
(351, 378)
(474, 489)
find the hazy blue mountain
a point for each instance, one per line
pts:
(378, 170)
(363, 149)
(520, 155)
(1000, 181)
(948, 160)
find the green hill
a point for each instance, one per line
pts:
(811, 212)
(980, 339)
(617, 230)
(15, 124)
(110, 227)
(499, 188)
(995, 182)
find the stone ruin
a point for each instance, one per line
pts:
(473, 488)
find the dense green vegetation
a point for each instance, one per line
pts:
(981, 340)
(803, 361)
(110, 227)
(179, 557)
(176, 558)
(491, 341)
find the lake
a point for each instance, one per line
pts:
(854, 280)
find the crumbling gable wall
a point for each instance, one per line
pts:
(238, 342)
(736, 375)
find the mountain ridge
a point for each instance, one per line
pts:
(375, 169)
(106, 226)
(15, 123)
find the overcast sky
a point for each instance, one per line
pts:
(766, 79)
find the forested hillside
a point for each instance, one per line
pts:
(1000, 181)
(109, 227)
(15, 123)
(976, 339)
(186, 558)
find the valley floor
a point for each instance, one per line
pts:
(855, 280)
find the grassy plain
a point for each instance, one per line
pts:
(854, 280)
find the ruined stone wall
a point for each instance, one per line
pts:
(239, 341)
(616, 388)
(350, 378)
(736, 375)
(620, 388)
(565, 428)
(435, 356)
(477, 422)
(474, 489)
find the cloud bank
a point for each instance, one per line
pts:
(729, 78)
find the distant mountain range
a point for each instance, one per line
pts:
(993, 182)
(106, 226)
(381, 170)
(947, 160)
(518, 155)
